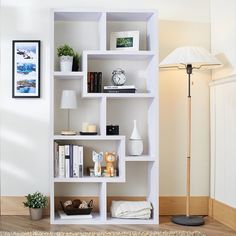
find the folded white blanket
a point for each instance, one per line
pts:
(131, 209)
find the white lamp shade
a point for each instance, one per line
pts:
(68, 99)
(198, 57)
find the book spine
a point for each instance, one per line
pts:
(75, 161)
(95, 82)
(67, 161)
(89, 82)
(56, 160)
(71, 160)
(81, 161)
(99, 85)
(61, 161)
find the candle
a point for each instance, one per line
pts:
(85, 126)
(92, 128)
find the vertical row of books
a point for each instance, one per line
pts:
(94, 82)
(68, 161)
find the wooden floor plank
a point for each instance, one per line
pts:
(23, 223)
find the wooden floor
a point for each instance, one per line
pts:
(23, 223)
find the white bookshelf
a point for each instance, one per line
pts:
(88, 33)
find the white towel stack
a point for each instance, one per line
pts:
(131, 209)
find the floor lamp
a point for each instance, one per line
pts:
(189, 58)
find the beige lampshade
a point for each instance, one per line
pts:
(68, 99)
(198, 57)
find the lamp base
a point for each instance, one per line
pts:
(188, 220)
(68, 132)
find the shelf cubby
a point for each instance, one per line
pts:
(98, 144)
(72, 191)
(138, 21)
(75, 29)
(123, 192)
(136, 66)
(77, 116)
(125, 121)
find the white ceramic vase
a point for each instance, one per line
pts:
(66, 63)
(135, 142)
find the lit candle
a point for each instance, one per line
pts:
(85, 126)
(92, 128)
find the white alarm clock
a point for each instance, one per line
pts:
(118, 77)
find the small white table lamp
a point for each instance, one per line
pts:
(68, 101)
(189, 58)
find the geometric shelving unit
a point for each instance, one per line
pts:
(88, 32)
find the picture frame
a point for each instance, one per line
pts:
(125, 40)
(26, 68)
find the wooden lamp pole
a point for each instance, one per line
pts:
(188, 220)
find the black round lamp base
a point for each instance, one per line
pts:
(188, 220)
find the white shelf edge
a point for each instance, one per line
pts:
(111, 220)
(118, 95)
(119, 52)
(89, 137)
(112, 54)
(140, 158)
(90, 180)
(68, 75)
(97, 219)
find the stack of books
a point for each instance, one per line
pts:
(119, 89)
(94, 82)
(68, 161)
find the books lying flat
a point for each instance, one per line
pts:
(64, 216)
(119, 89)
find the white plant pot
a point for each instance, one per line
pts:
(66, 63)
(135, 147)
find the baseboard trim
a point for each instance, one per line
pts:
(223, 213)
(169, 205)
(173, 205)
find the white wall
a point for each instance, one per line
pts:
(25, 122)
(223, 102)
(173, 114)
(223, 36)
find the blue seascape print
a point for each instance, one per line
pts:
(26, 68)
(26, 86)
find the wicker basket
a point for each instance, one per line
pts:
(78, 211)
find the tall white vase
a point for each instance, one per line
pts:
(135, 142)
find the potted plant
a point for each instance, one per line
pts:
(36, 202)
(66, 54)
(76, 60)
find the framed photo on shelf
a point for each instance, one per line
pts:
(26, 68)
(126, 40)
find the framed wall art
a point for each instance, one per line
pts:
(126, 40)
(25, 68)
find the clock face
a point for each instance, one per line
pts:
(118, 79)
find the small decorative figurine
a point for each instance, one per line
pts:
(110, 158)
(118, 77)
(97, 159)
